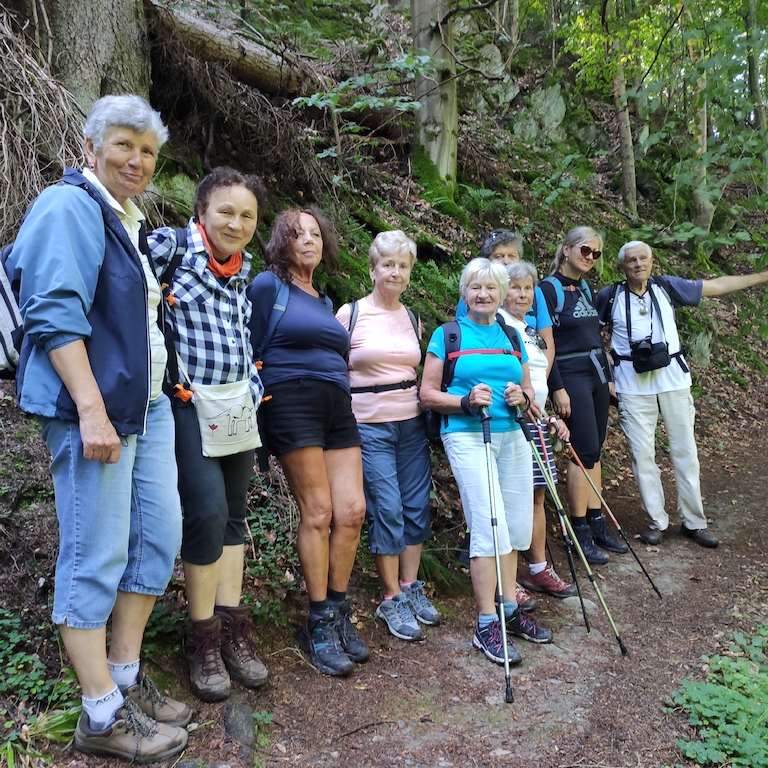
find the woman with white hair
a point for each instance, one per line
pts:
(491, 372)
(383, 357)
(578, 383)
(541, 577)
(93, 365)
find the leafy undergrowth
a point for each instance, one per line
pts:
(730, 709)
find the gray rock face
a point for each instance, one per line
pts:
(541, 119)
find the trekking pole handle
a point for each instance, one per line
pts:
(523, 422)
(485, 417)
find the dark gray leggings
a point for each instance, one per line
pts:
(213, 492)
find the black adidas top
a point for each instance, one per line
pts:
(579, 326)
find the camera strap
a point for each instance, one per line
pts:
(654, 303)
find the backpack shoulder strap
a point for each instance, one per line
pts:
(353, 312)
(452, 334)
(170, 270)
(414, 318)
(560, 296)
(512, 335)
(607, 318)
(278, 310)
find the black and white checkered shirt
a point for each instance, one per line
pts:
(204, 317)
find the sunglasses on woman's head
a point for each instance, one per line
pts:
(586, 252)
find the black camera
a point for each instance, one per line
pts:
(647, 356)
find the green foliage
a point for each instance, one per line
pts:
(37, 705)
(274, 563)
(163, 630)
(436, 191)
(730, 709)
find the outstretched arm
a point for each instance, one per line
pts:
(730, 283)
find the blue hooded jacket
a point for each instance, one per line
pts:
(81, 278)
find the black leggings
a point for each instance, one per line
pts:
(588, 421)
(213, 492)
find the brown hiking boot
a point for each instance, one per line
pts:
(237, 650)
(208, 676)
(162, 708)
(133, 736)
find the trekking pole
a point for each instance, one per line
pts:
(568, 542)
(485, 417)
(521, 420)
(611, 515)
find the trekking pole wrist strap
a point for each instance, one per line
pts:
(465, 405)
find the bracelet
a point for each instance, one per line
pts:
(465, 405)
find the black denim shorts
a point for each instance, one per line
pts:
(306, 412)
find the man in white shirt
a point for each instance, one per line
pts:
(651, 377)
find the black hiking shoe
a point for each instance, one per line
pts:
(603, 538)
(319, 639)
(489, 640)
(594, 555)
(351, 644)
(525, 626)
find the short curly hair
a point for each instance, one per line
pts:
(277, 254)
(501, 237)
(225, 177)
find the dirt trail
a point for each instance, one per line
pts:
(578, 701)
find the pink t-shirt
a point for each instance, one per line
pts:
(383, 350)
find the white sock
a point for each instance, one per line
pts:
(125, 674)
(101, 711)
(536, 568)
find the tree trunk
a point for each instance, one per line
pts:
(250, 62)
(628, 182)
(98, 47)
(705, 210)
(437, 122)
(753, 71)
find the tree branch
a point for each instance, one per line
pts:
(661, 42)
(458, 10)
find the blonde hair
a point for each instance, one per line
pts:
(575, 236)
(481, 267)
(393, 242)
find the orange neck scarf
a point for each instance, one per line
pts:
(229, 268)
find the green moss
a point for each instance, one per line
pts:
(180, 188)
(436, 191)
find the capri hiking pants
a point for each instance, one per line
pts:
(397, 479)
(513, 484)
(119, 524)
(213, 492)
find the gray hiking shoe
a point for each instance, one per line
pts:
(133, 736)
(422, 609)
(145, 694)
(399, 617)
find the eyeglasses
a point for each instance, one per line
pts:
(586, 252)
(534, 334)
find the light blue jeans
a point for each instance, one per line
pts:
(119, 524)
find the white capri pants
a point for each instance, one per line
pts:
(513, 488)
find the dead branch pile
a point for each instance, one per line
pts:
(40, 128)
(222, 120)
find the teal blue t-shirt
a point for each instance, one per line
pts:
(494, 370)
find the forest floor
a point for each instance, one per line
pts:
(440, 703)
